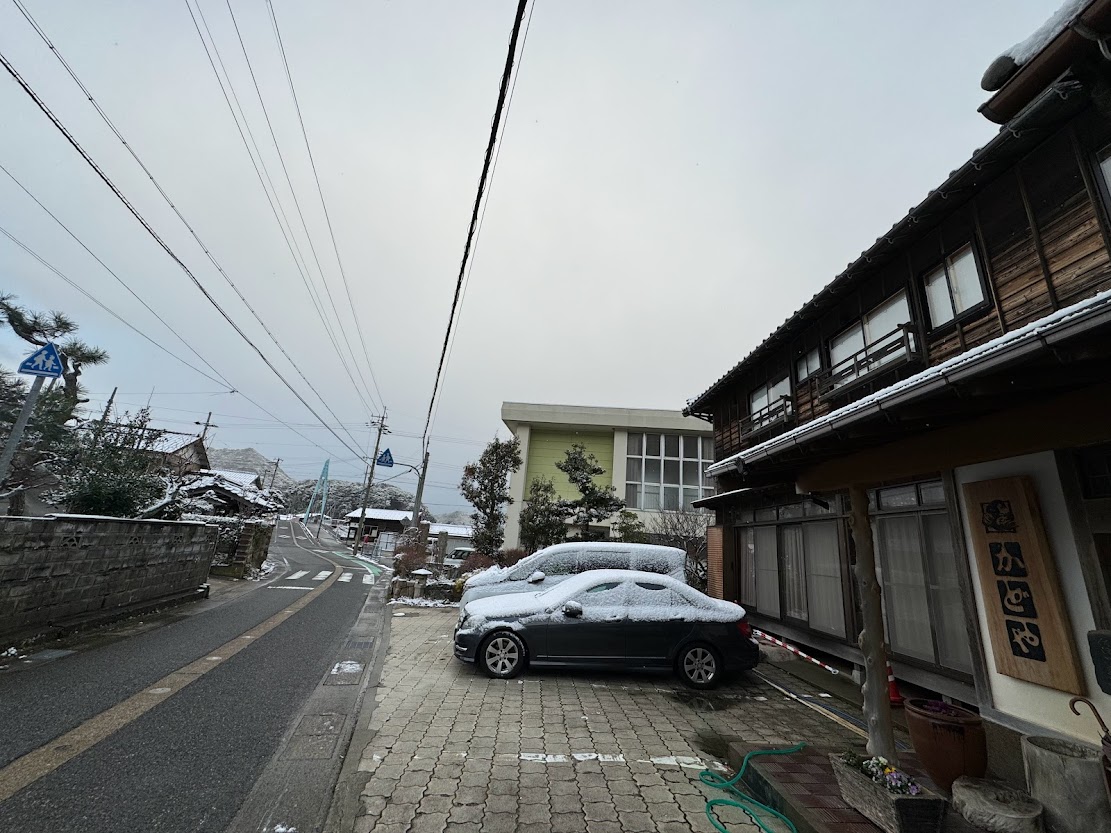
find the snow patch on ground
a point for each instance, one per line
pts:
(685, 762)
(348, 666)
(422, 603)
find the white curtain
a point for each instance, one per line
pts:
(794, 575)
(949, 627)
(746, 553)
(825, 592)
(904, 587)
(767, 570)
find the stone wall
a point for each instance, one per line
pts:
(56, 569)
(243, 547)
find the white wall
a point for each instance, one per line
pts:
(517, 492)
(1034, 703)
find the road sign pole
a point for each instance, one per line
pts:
(366, 492)
(18, 428)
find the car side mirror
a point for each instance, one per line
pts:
(573, 610)
(536, 577)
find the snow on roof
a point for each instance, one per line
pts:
(171, 442)
(453, 530)
(1060, 20)
(422, 572)
(241, 478)
(382, 514)
(1033, 331)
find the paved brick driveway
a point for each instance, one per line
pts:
(455, 751)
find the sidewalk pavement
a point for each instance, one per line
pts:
(453, 751)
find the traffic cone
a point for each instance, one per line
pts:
(893, 695)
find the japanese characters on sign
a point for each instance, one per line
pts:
(1030, 634)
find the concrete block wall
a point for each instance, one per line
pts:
(54, 569)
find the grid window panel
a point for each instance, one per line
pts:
(691, 473)
(651, 471)
(650, 497)
(632, 495)
(632, 469)
(690, 447)
(671, 472)
(708, 449)
(635, 445)
(671, 498)
(689, 496)
(671, 445)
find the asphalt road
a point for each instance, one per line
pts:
(188, 763)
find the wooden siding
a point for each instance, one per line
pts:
(1040, 247)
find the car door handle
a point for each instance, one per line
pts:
(676, 618)
(613, 619)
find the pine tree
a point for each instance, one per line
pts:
(596, 503)
(543, 517)
(630, 528)
(485, 485)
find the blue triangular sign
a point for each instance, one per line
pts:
(43, 362)
(385, 459)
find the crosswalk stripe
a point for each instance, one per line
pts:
(298, 574)
(368, 579)
(323, 574)
(345, 577)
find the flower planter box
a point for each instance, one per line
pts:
(891, 812)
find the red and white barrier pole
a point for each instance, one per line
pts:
(794, 650)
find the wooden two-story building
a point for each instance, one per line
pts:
(958, 375)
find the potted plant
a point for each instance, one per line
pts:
(948, 740)
(886, 796)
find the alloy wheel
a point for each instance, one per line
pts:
(502, 655)
(700, 666)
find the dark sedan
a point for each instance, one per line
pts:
(608, 619)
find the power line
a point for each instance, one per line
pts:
(162, 243)
(292, 191)
(488, 158)
(323, 202)
(111, 125)
(486, 203)
(108, 310)
(120, 280)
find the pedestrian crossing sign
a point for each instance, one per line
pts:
(43, 362)
(385, 459)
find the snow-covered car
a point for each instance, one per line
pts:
(559, 562)
(609, 619)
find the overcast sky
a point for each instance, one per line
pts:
(675, 180)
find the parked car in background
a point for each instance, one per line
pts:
(609, 619)
(559, 562)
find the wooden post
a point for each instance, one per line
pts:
(877, 708)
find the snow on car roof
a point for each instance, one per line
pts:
(493, 575)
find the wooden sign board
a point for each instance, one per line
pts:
(1027, 621)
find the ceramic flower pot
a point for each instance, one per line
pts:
(948, 740)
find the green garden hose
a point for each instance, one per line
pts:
(747, 804)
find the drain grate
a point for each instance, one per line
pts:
(360, 644)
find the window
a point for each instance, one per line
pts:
(918, 569)
(954, 287)
(794, 571)
(825, 598)
(873, 342)
(667, 471)
(808, 365)
(746, 556)
(769, 403)
(767, 570)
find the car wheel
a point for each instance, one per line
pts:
(502, 655)
(699, 666)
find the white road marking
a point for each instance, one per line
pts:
(558, 758)
(345, 577)
(348, 666)
(159, 690)
(323, 574)
(290, 587)
(298, 575)
(684, 762)
(368, 578)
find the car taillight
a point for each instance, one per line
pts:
(745, 628)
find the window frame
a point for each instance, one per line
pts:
(943, 265)
(639, 489)
(860, 325)
(805, 357)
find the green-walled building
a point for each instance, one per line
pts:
(655, 459)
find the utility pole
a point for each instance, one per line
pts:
(369, 480)
(420, 492)
(17, 429)
(207, 424)
(104, 416)
(274, 473)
